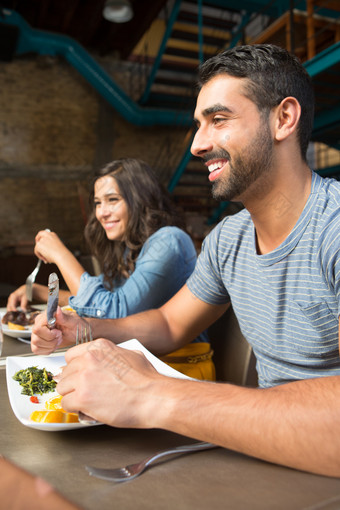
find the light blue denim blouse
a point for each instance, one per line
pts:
(165, 262)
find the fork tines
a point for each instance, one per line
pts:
(83, 334)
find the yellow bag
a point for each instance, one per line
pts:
(194, 360)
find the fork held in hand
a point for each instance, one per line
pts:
(30, 280)
(31, 277)
(134, 470)
(83, 334)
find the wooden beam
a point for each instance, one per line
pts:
(310, 30)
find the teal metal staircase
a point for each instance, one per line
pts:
(46, 43)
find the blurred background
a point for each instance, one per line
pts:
(87, 81)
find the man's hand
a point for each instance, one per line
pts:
(45, 340)
(109, 384)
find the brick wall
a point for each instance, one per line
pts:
(55, 130)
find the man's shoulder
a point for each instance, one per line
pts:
(327, 205)
(328, 189)
(325, 217)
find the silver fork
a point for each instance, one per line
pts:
(133, 470)
(83, 336)
(31, 277)
(30, 280)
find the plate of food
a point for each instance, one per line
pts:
(32, 394)
(18, 324)
(42, 399)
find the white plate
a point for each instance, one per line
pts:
(23, 407)
(21, 404)
(15, 333)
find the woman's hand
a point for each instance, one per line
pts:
(17, 299)
(48, 247)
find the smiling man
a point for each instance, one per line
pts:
(277, 262)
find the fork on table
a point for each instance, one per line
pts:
(133, 470)
(83, 336)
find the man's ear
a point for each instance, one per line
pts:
(287, 116)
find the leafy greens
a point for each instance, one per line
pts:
(35, 380)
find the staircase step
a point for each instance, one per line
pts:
(212, 17)
(212, 40)
(176, 76)
(186, 53)
(182, 53)
(177, 64)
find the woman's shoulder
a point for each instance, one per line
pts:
(169, 238)
(171, 231)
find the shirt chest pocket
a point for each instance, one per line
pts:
(314, 330)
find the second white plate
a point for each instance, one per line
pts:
(16, 333)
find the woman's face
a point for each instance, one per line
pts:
(111, 209)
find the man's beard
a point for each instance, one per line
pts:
(244, 169)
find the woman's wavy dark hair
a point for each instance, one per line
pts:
(149, 209)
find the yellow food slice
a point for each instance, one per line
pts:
(54, 403)
(70, 418)
(68, 308)
(53, 413)
(47, 416)
(55, 416)
(11, 325)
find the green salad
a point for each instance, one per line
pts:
(35, 380)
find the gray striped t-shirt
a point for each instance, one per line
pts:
(287, 301)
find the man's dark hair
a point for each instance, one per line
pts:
(272, 74)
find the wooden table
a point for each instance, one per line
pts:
(219, 479)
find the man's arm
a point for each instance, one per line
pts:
(162, 330)
(295, 424)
